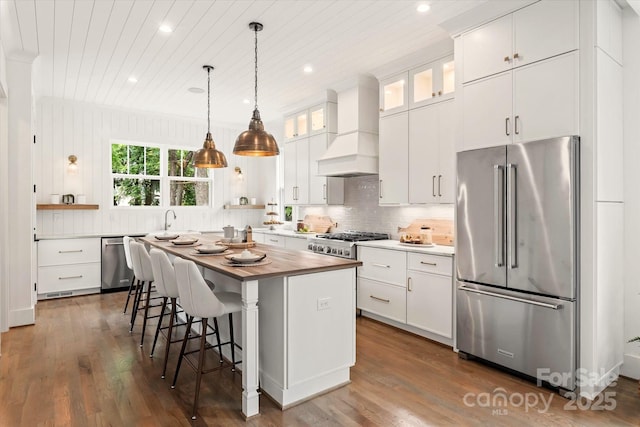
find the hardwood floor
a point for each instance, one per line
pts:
(79, 366)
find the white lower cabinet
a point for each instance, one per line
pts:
(295, 243)
(414, 291)
(68, 266)
(275, 240)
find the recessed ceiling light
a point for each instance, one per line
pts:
(132, 79)
(245, 101)
(165, 28)
(196, 90)
(423, 8)
(307, 69)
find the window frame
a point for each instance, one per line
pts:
(163, 177)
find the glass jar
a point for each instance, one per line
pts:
(300, 225)
(426, 236)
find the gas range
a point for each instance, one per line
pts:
(342, 244)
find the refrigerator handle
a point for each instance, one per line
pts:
(512, 215)
(509, 297)
(498, 214)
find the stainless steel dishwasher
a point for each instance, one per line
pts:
(116, 275)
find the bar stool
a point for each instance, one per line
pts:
(199, 301)
(127, 256)
(143, 271)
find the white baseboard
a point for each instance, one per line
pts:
(25, 316)
(631, 367)
(417, 331)
(595, 387)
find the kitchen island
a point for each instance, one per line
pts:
(301, 342)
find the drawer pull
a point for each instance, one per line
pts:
(379, 299)
(70, 277)
(409, 284)
(70, 252)
(433, 264)
(274, 240)
(381, 265)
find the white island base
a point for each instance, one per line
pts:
(307, 335)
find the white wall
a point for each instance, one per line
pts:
(4, 200)
(86, 130)
(631, 54)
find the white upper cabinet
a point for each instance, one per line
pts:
(296, 125)
(487, 49)
(394, 159)
(296, 171)
(394, 94)
(431, 83)
(542, 30)
(323, 190)
(432, 154)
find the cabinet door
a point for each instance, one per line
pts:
(289, 128)
(487, 50)
(430, 302)
(317, 184)
(487, 112)
(394, 159)
(302, 171)
(295, 243)
(546, 99)
(422, 85)
(446, 152)
(423, 154)
(290, 173)
(302, 123)
(394, 94)
(544, 29)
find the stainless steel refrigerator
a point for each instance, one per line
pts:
(517, 257)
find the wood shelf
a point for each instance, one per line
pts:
(62, 207)
(244, 206)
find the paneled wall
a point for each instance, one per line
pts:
(86, 130)
(361, 211)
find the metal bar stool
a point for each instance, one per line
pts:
(198, 300)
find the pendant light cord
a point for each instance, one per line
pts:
(255, 87)
(208, 100)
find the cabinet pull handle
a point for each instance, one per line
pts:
(433, 264)
(324, 192)
(439, 93)
(439, 186)
(381, 265)
(70, 252)
(409, 284)
(507, 58)
(70, 277)
(516, 120)
(433, 185)
(516, 56)
(506, 126)
(382, 110)
(379, 299)
(273, 240)
(433, 94)
(381, 189)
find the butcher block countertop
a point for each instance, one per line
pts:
(284, 262)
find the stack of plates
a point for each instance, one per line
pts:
(166, 236)
(211, 249)
(184, 241)
(245, 257)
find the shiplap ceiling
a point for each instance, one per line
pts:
(87, 49)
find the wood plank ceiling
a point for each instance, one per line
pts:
(88, 49)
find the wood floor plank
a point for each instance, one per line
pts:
(79, 366)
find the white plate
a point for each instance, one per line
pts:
(196, 253)
(245, 260)
(211, 249)
(184, 242)
(166, 236)
(418, 245)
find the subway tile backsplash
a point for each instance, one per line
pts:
(361, 211)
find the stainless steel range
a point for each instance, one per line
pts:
(342, 244)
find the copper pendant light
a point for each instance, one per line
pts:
(208, 156)
(256, 141)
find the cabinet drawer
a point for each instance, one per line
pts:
(68, 251)
(382, 299)
(270, 239)
(431, 263)
(383, 265)
(68, 277)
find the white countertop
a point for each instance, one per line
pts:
(395, 245)
(287, 233)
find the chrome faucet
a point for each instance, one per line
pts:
(166, 225)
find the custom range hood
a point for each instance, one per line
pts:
(354, 152)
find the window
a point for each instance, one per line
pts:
(147, 175)
(188, 186)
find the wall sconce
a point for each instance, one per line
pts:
(72, 168)
(239, 173)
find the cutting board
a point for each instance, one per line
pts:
(319, 223)
(441, 229)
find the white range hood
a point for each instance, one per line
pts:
(355, 150)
